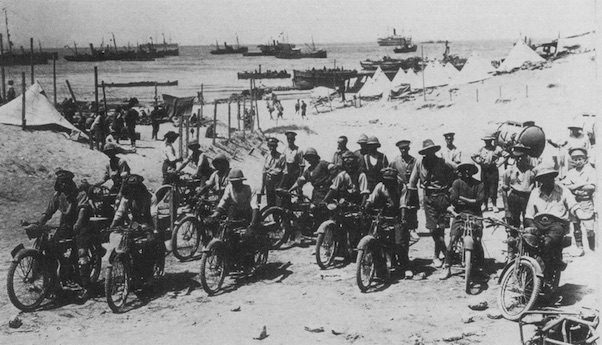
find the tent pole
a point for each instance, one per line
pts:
(31, 58)
(198, 124)
(95, 100)
(2, 68)
(214, 120)
(23, 121)
(54, 77)
(229, 119)
(104, 97)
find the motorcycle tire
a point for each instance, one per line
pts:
(275, 220)
(28, 262)
(185, 238)
(529, 286)
(365, 269)
(118, 284)
(467, 270)
(327, 246)
(214, 269)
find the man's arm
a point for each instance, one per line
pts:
(51, 208)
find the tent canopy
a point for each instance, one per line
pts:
(39, 112)
(518, 55)
(475, 69)
(434, 75)
(378, 84)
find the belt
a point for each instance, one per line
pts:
(434, 191)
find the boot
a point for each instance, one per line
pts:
(578, 241)
(591, 241)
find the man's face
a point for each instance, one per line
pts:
(290, 140)
(273, 147)
(546, 181)
(220, 166)
(449, 140)
(236, 185)
(312, 160)
(342, 144)
(575, 132)
(579, 160)
(464, 173)
(404, 150)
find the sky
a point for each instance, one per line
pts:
(57, 23)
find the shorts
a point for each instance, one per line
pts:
(435, 210)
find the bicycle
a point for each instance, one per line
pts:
(297, 214)
(522, 279)
(191, 231)
(226, 253)
(336, 235)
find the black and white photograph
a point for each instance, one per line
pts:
(300, 172)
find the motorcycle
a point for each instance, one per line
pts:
(190, 231)
(464, 247)
(132, 265)
(522, 279)
(229, 252)
(48, 268)
(339, 234)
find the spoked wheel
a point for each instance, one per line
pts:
(95, 264)
(467, 270)
(276, 223)
(28, 280)
(185, 239)
(365, 269)
(260, 258)
(213, 269)
(117, 285)
(326, 247)
(519, 290)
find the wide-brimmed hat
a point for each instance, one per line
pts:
(220, 157)
(544, 171)
(470, 166)
(372, 140)
(170, 135)
(575, 124)
(428, 145)
(488, 137)
(236, 175)
(578, 149)
(389, 174)
(403, 143)
(290, 134)
(310, 151)
(363, 138)
(449, 134)
(110, 148)
(194, 145)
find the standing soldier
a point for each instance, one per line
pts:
(373, 162)
(270, 107)
(293, 157)
(131, 118)
(361, 141)
(404, 164)
(435, 176)
(303, 109)
(297, 107)
(337, 158)
(272, 171)
(487, 158)
(581, 181)
(450, 152)
(517, 183)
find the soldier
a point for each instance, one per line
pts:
(404, 164)
(272, 171)
(337, 158)
(317, 173)
(435, 176)
(373, 162)
(488, 157)
(361, 141)
(450, 152)
(293, 157)
(117, 169)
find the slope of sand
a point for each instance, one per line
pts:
(292, 293)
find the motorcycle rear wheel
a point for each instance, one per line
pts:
(185, 239)
(276, 222)
(117, 285)
(28, 280)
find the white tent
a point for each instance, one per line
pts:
(518, 55)
(451, 71)
(475, 69)
(39, 112)
(577, 43)
(378, 84)
(434, 75)
(400, 78)
(414, 79)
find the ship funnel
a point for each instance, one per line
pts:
(394, 32)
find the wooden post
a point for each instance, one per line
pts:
(180, 132)
(251, 100)
(2, 68)
(96, 89)
(477, 95)
(423, 68)
(104, 97)
(256, 107)
(198, 124)
(31, 58)
(54, 77)
(156, 99)
(238, 113)
(527, 91)
(244, 109)
(187, 134)
(229, 120)
(23, 121)
(214, 120)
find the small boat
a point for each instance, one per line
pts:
(275, 48)
(328, 77)
(312, 53)
(407, 47)
(264, 75)
(229, 49)
(143, 84)
(387, 63)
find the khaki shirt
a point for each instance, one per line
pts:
(520, 181)
(274, 164)
(586, 176)
(452, 155)
(241, 201)
(344, 183)
(560, 203)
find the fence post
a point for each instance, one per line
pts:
(527, 91)
(198, 124)
(23, 121)
(214, 120)
(477, 95)
(238, 113)
(229, 120)
(187, 134)
(180, 132)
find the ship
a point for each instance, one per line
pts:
(407, 47)
(328, 77)
(11, 57)
(311, 53)
(389, 64)
(258, 74)
(229, 49)
(271, 49)
(393, 40)
(161, 50)
(108, 54)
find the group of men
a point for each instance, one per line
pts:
(276, 104)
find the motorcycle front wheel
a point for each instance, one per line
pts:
(213, 269)
(276, 223)
(117, 284)
(185, 239)
(519, 290)
(365, 269)
(28, 280)
(326, 247)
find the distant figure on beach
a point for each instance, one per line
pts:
(270, 107)
(98, 128)
(118, 124)
(10, 94)
(297, 107)
(280, 110)
(131, 118)
(154, 116)
(303, 109)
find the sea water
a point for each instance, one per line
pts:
(218, 73)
